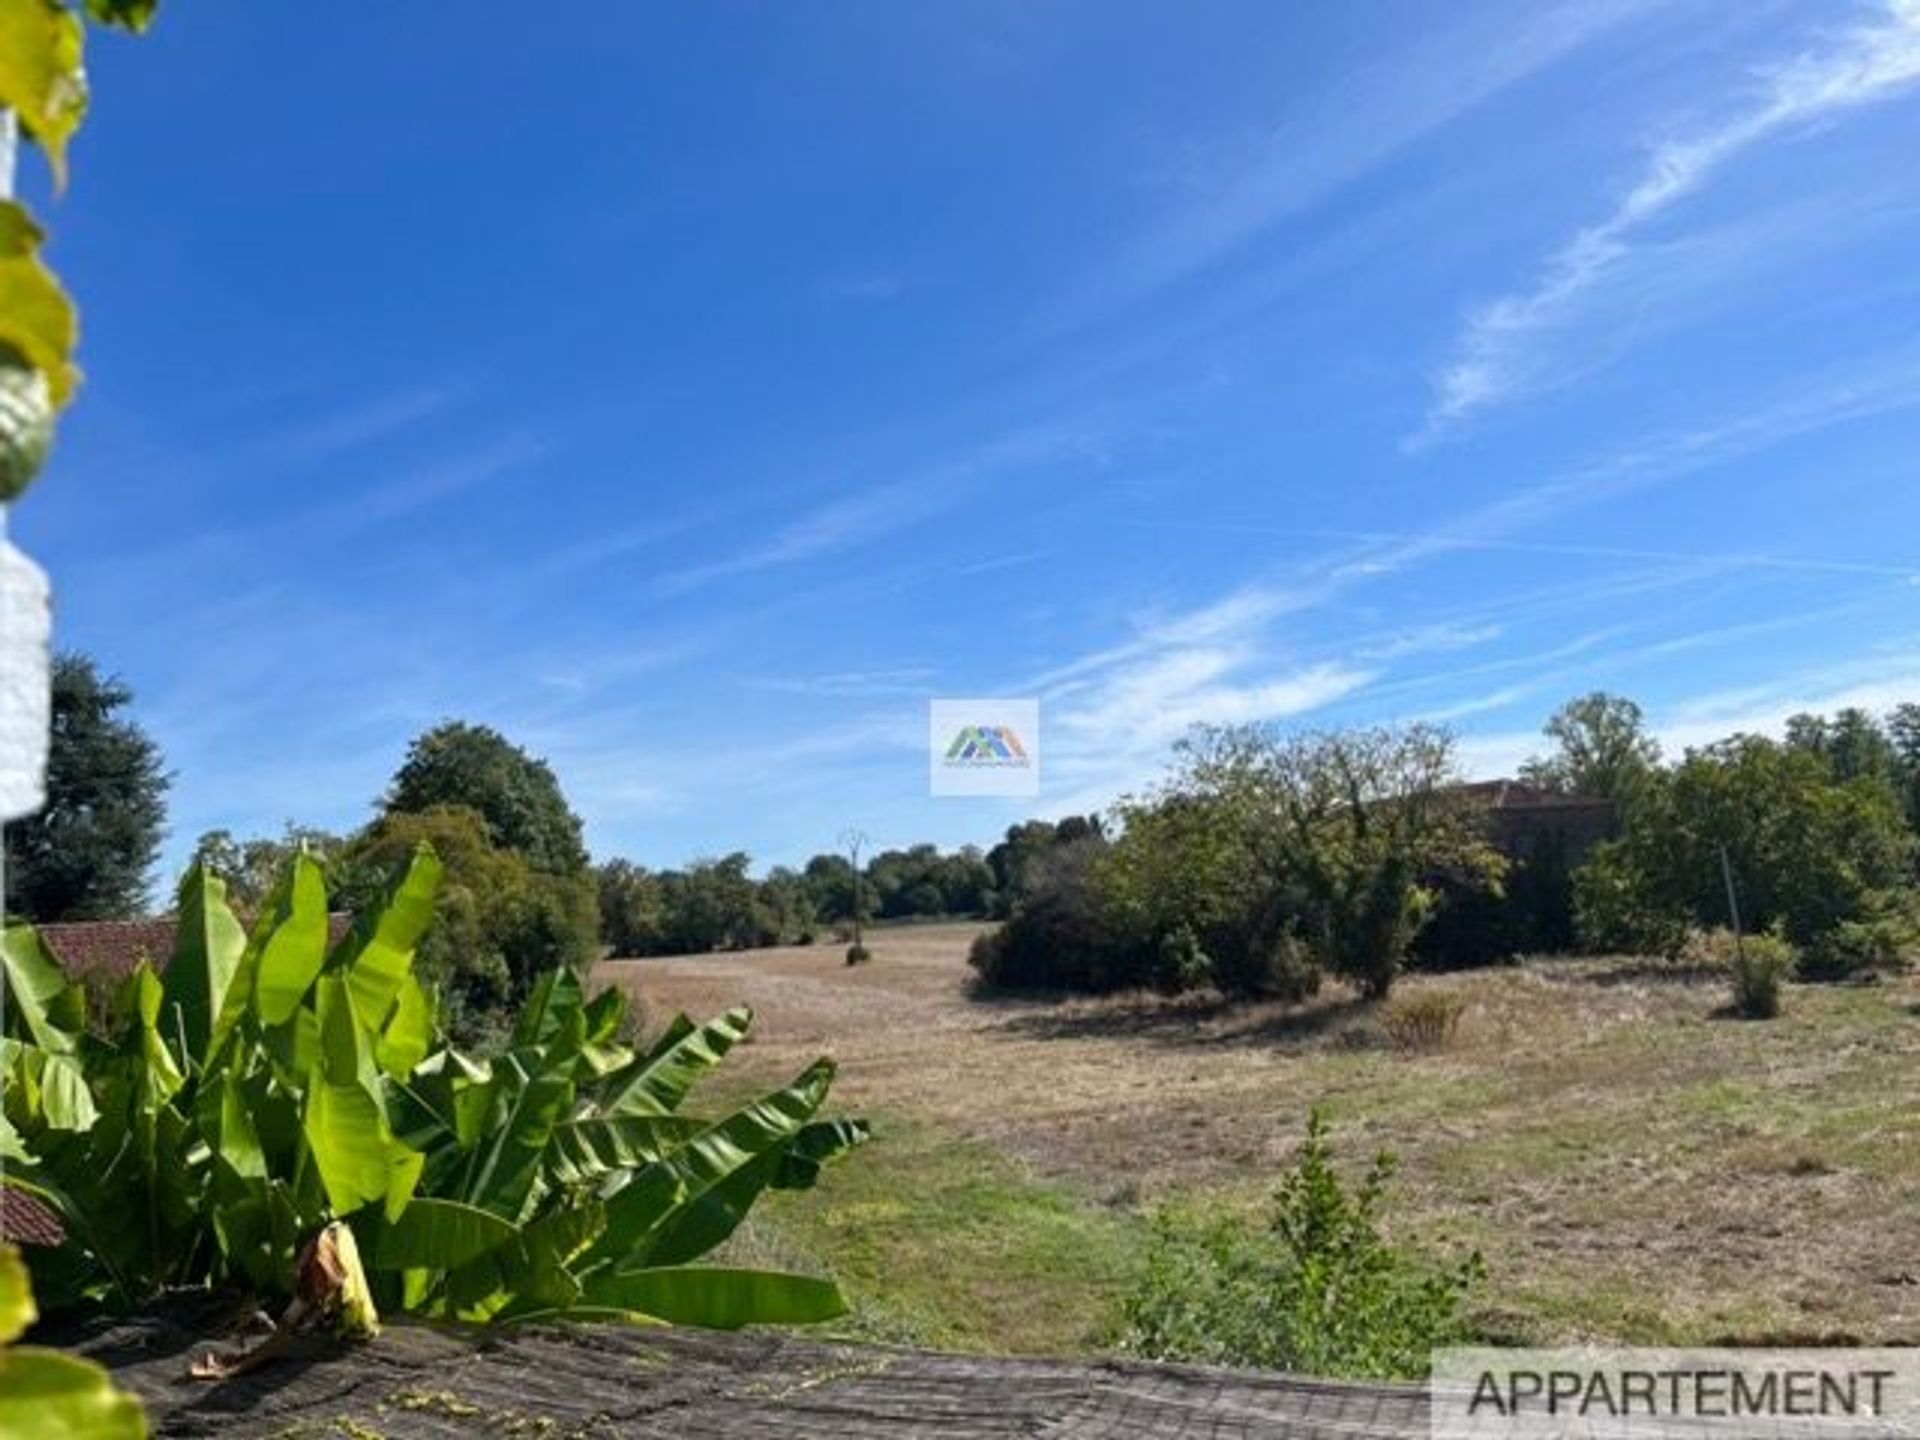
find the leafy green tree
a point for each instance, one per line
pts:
(1903, 728)
(87, 854)
(499, 923)
(1600, 748)
(1809, 852)
(1261, 862)
(1015, 859)
(632, 909)
(714, 904)
(829, 880)
(787, 905)
(1367, 815)
(251, 868)
(517, 795)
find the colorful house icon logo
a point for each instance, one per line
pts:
(987, 746)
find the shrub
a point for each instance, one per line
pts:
(1317, 1290)
(273, 1092)
(1420, 1023)
(858, 954)
(1182, 964)
(1858, 947)
(1065, 935)
(1760, 965)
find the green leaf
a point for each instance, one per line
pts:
(41, 73)
(133, 15)
(409, 1033)
(816, 1145)
(583, 1150)
(227, 1125)
(65, 1103)
(524, 1110)
(718, 1299)
(17, 1310)
(440, 1235)
(378, 952)
(207, 946)
(656, 1083)
(38, 323)
(51, 1011)
(347, 1136)
(645, 1210)
(550, 1006)
(294, 946)
(45, 1395)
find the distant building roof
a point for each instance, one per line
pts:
(1519, 795)
(116, 947)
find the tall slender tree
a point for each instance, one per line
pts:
(87, 854)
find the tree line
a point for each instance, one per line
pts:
(1262, 863)
(1266, 861)
(716, 904)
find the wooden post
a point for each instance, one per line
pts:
(1733, 904)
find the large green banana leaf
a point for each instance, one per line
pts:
(293, 943)
(378, 952)
(719, 1299)
(42, 1005)
(638, 1211)
(655, 1084)
(207, 945)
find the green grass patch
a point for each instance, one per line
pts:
(951, 1243)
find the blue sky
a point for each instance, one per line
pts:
(691, 392)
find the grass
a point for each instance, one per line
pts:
(952, 1244)
(1634, 1166)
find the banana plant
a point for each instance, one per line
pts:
(268, 1087)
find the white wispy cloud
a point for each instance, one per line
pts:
(1498, 356)
(1109, 716)
(864, 516)
(1350, 129)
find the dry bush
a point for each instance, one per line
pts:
(1420, 1024)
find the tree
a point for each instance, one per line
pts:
(1903, 728)
(252, 867)
(516, 794)
(1260, 862)
(499, 924)
(86, 855)
(1368, 815)
(632, 909)
(1808, 852)
(1601, 749)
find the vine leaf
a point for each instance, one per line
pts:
(41, 76)
(38, 323)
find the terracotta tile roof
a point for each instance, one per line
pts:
(26, 1220)
(116, 947)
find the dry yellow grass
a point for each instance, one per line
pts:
(1632, 1165)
